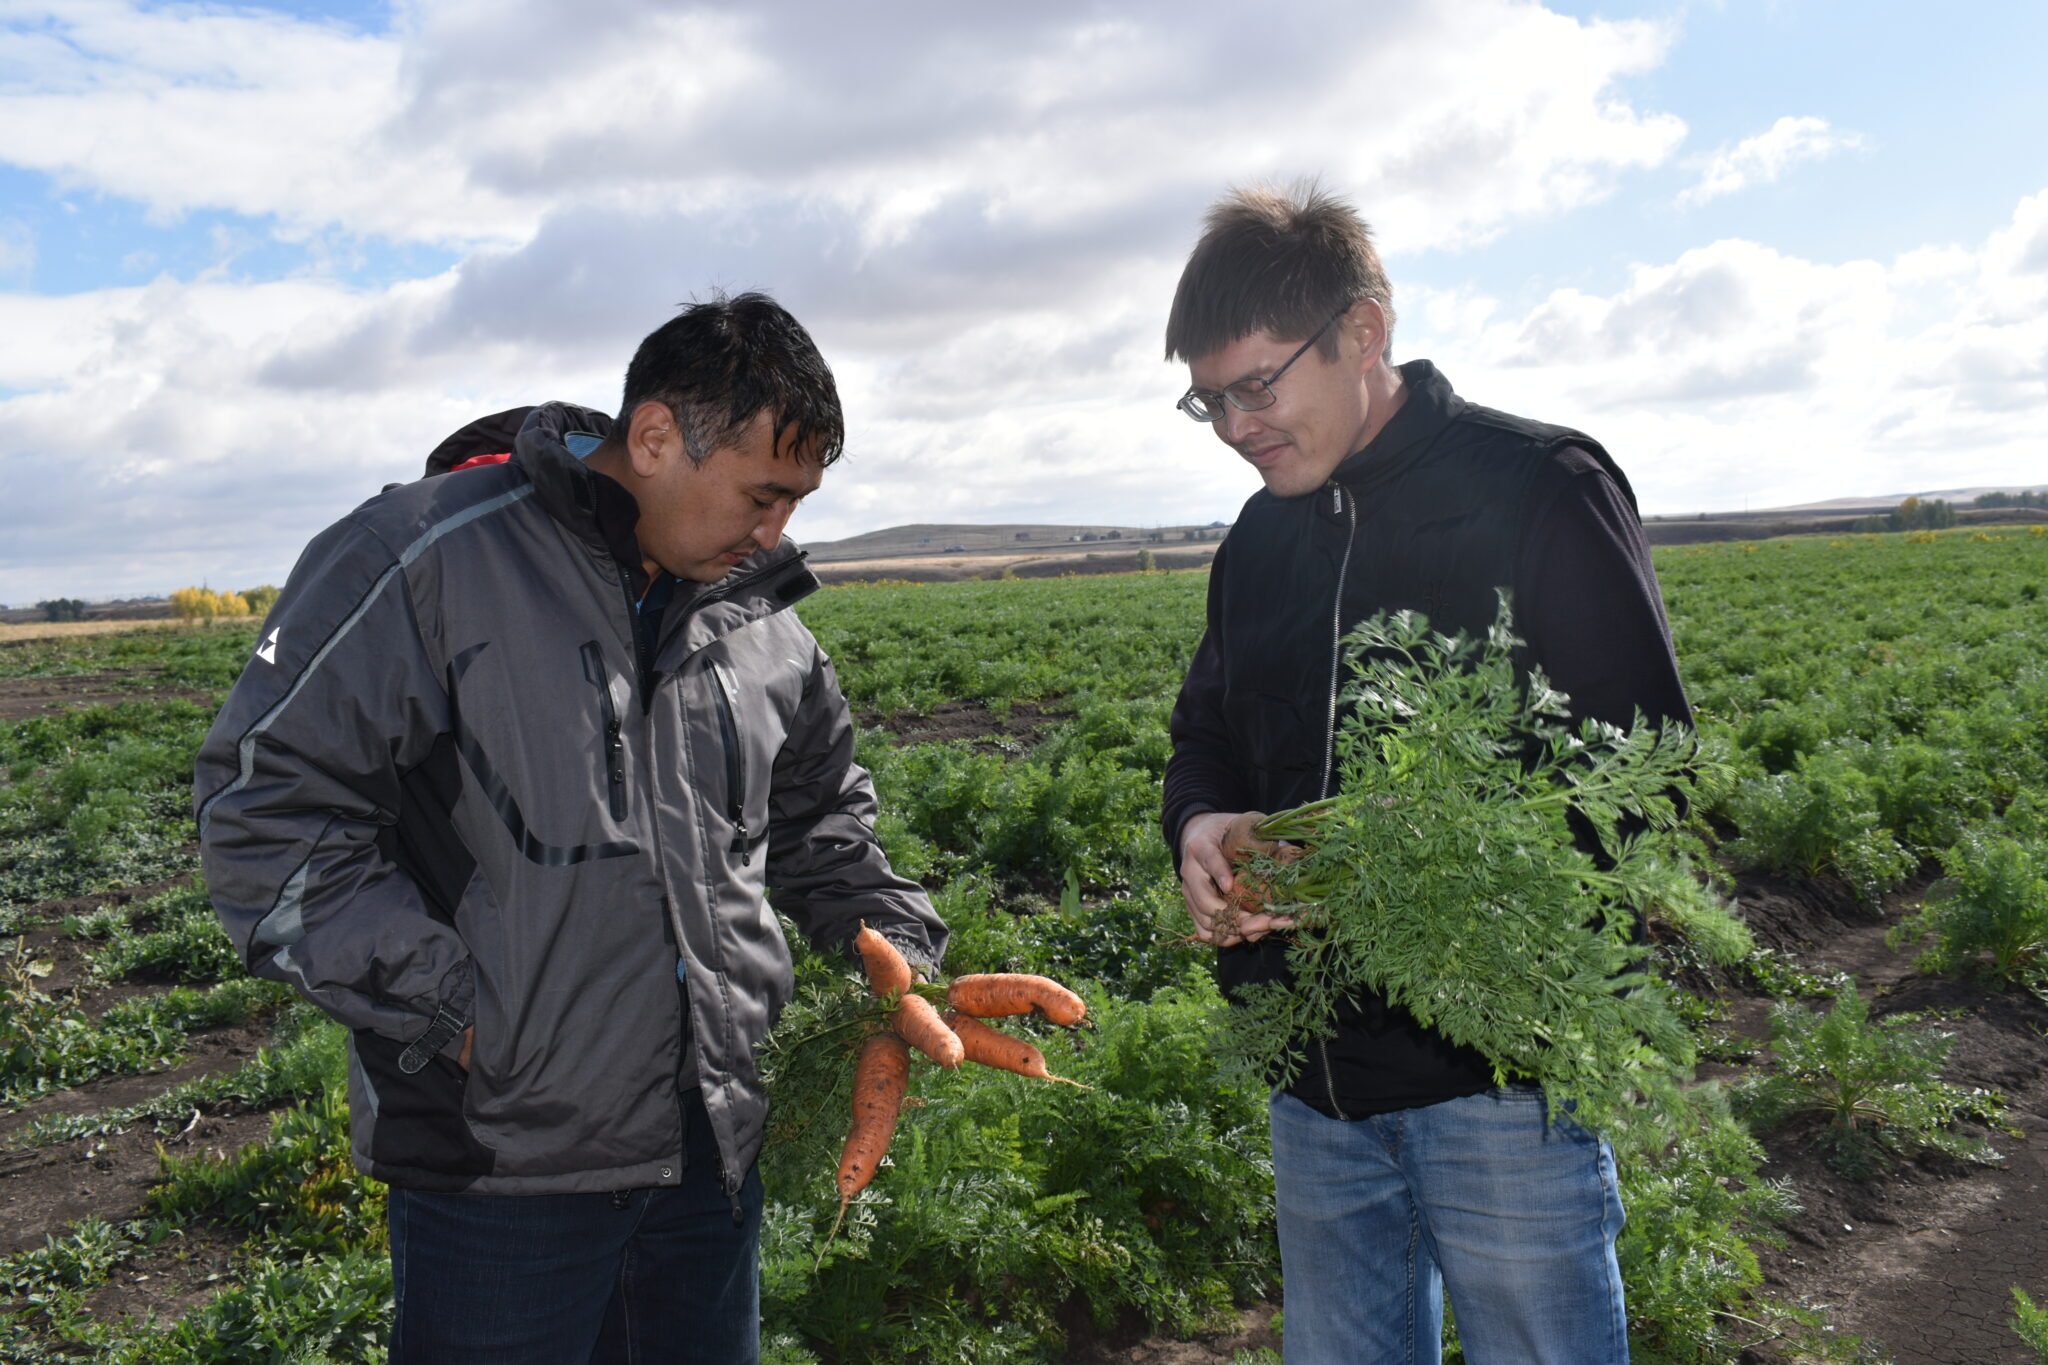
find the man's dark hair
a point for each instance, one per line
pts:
(716, 364)
(1275, 260)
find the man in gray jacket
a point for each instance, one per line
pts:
(522, 757)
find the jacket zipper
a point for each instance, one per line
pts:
(1330, 1079)
(1348, 506)
(614, 739)
(642, 649)
(735, 767)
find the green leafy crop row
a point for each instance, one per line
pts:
(1883, 702)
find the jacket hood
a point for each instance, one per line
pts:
(492, 435)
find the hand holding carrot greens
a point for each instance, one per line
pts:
(1445, 874)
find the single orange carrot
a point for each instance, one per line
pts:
(888, 973)
(919, 1025)
(993, 1047)
(881, 1078)
(994, 995)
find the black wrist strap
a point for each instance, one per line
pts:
(446, 1025)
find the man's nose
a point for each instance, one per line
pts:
(1235, 425)
(768, 533)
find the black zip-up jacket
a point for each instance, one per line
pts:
(1448, 504)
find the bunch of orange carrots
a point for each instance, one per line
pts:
(881, 1076)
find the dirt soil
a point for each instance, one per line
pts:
(44, 1188)
(1020, 729)
(21, 698)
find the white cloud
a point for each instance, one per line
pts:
(475, 122)
(1739, 374)
(1763, 159)
(186, 107)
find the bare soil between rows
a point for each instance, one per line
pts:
(21, 698)
(1019, 728)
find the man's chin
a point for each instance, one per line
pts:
(1284, 483)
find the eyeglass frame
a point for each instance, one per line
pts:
(1264, 385)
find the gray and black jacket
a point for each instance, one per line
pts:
(445, 792)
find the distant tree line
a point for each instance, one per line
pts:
(2030, 498)
(1913, 514)
(62, 609)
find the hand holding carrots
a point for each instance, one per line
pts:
(1227, 904)
(882, 1072)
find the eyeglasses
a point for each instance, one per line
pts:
(1248, 395)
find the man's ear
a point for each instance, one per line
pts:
(652, 438)
(1367, 323)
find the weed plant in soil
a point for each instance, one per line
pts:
(1874, 1088)
(2031, 1322)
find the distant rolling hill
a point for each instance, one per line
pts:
(942, 550)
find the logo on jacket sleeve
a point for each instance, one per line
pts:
(267, 651)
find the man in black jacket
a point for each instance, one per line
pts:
(1401, 1169)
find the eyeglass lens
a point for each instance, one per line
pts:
(1248, 395)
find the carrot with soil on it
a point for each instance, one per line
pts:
(881, 1078)
(995, 995)
(888, 974)
(918, 1024)
(993, 1047)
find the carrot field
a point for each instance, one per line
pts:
(173, 1134)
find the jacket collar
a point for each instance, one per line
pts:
(1430, 407)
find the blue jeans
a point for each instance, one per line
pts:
(641, 1276)
(1484, 1196)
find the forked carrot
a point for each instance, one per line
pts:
(994, 995)
(993, 1047)
(888, 973)
(881, 1078)
(919, 1025)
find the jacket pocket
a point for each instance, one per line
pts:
(725, 693)
(613, 742)
(417, 1130)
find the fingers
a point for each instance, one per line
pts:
(1212, 844)
(1201, 843)
(1252, 928)
(468, 1046)
(1204, 898)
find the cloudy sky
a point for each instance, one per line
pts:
(256, 260)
